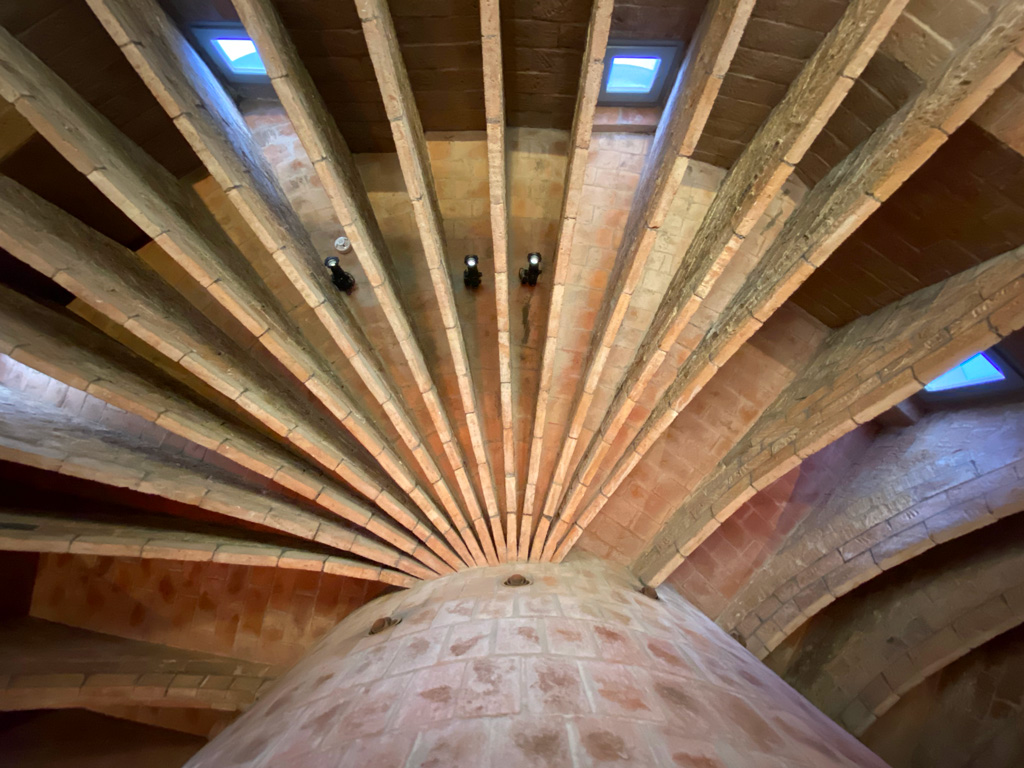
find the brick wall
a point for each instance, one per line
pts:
(41, 435)
(859, 656)
(963, 206)
(536, 163)
(459, 163)
(859, 372)
(261, 614)
(80, 739)
(198, 722)
(44, 665)
(928, 30)
(1000, 115)
(576, 668)
(970, 712)
(702, 435)
(610, 179)
(75, 403)
(949, 474)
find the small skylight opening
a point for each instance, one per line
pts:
(243, 58)
(639, 73)
(230, 50)
(633, 74)
(974, 371)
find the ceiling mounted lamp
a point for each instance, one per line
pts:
(528, 275)
(471, 277)
(342, 280)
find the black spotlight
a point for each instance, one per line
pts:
(342, 280)
(471, 277)
(528, 275)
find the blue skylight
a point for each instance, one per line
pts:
(633, 74)
(977, 370)
(241, 55)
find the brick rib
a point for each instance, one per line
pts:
(679, 129)
(862, 370)
(909, 532)
(337, 171)
(579, 148)
(393, 79)
(829, 214)
(50, 665)
(112, 280)
(40, 435)
(60, 535)
(753, 182)
(83, 358)
(179, 223)
(494, 108)
(208, 118)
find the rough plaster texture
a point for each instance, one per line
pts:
(575, 669)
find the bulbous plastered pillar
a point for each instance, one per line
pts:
(576, 668)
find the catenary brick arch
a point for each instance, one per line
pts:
(860, 372)
(900, 499)
(968, 714)
(907, 626)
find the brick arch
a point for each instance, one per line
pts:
(865, 524)
(229, 693)
(967, 714)
(47, 665)
(861, 371)
(576, 663)
(742, 553)
(907, 626)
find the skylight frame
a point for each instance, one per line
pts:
(206, 36)
(670, 53)
(997, 374)
(1011, 386)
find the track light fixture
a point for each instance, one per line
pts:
(528, 275)
(342, 280)
(471, 277)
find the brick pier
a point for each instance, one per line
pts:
(576, 668)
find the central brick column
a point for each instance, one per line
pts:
(576, 668)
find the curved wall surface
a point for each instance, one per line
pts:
(576, 668)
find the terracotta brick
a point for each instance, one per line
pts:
(554, 687)
(902, 546)
(853, 573)
(490, 687)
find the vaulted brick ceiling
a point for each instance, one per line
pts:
(817, 229)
